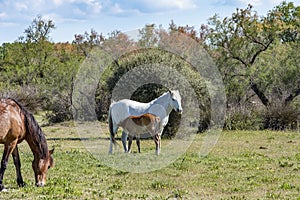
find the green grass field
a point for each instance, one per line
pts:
(242, 165)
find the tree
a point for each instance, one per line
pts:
(149, 37)
(188, 30)
(258, 56)
(239, 40)
(38, 72)
(87, 41)
(39, 30)
(36, 48)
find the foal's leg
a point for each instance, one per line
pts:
(130, 138)
(138, 143)
(8, 148)
(124, 140)
(17, 163)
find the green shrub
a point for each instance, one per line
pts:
(280, 116)
(243, 118)
(28, 95)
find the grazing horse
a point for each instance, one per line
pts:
(135, 125)
(161, 107)
(16, 125)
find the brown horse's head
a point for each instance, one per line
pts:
(40, 168)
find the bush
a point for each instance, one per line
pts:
(59, 108)
(27, 95)
(280, 116)
(243, 118)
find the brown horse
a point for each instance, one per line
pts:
(137, 125)
(16, 125)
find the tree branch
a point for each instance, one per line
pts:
(235, 57)
(239, 59)
(292, 96)
(260, 51)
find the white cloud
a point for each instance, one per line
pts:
(3, 15)
(119, 11)
(20, 6)
(252, 2)
(116, 9)
(7, 24)
(78, 12)
(58, 19)
(96, 6)
(58, 2)
(177, 4)
(138, 7)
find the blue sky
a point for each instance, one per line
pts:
(77, 16)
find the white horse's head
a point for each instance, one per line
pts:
(175, 100)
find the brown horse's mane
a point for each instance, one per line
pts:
(34, 133)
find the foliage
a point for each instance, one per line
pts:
(257, 57)
(148, 37)
(27, 95)
(279, 76)
(36, 70)
(243, 118)
(85, 42)
(241, 39)
(280, 116)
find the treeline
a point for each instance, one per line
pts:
(257, 56)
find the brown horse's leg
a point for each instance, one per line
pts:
(8, 148)
(17, 163)
(3, 168)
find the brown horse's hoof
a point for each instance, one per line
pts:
(40, 184)
(22, 184)
(2, 189)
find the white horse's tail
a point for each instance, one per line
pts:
(111, 128)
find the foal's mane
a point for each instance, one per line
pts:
(34, 133)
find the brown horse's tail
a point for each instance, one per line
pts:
(111, 128)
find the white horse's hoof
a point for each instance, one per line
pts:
(4, 190)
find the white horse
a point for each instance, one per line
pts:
(161, 107)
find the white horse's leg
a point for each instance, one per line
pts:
(159, 142)
(124, 140)
(110, 151)
(157, 139)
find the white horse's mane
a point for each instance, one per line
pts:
(156, 100)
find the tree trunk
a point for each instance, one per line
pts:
(260, 94)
